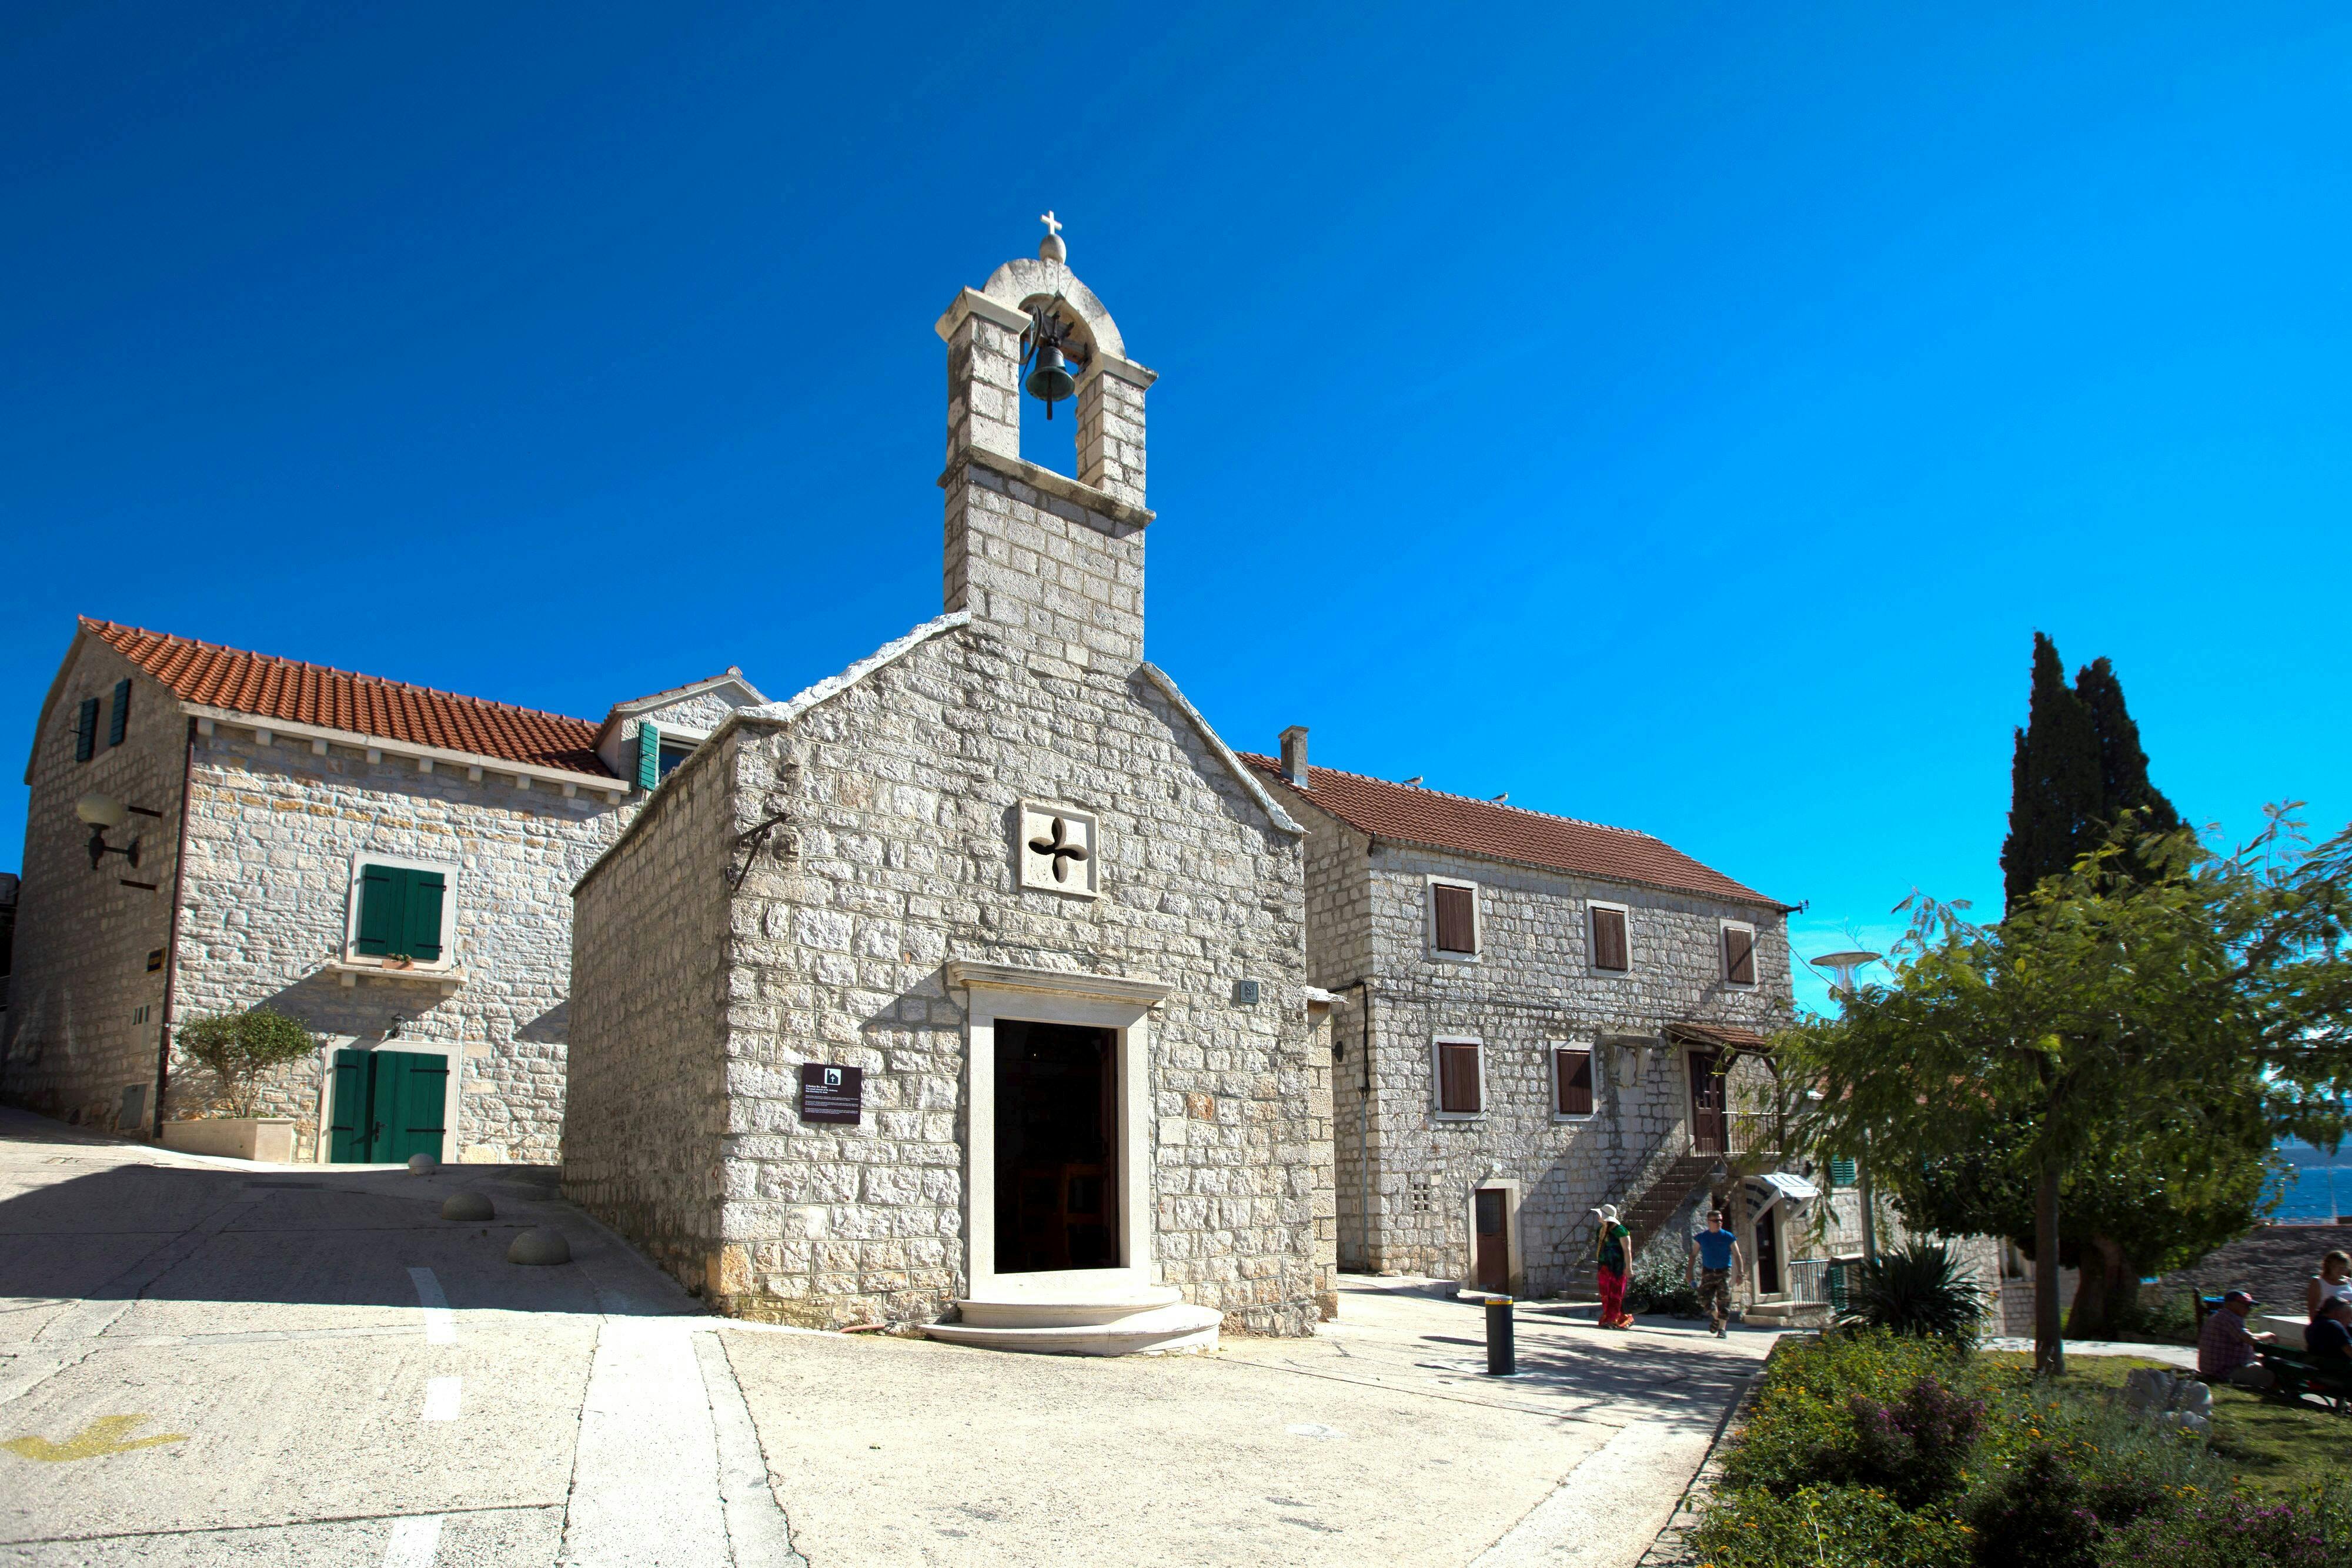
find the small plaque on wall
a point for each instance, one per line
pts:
(832, 1094)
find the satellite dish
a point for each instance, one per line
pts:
(1844, 965)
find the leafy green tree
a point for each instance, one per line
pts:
(2097, 1018)
(239, 1048)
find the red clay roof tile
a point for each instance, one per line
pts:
(267, 686)
(1410, 814)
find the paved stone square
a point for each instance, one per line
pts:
(205, 1362)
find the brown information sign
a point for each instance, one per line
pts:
(832, 1094)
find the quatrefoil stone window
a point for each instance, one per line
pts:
(1059, 848)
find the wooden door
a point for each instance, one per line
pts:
(1709, 1125)
(348, 1124)
(411, 1092)
(1767, 1253)
(1494, 1258)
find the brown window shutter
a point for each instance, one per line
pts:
(1457, 1077)
(1738, 956)
(1609, 939)
(1457, 924)
(1575, 1083)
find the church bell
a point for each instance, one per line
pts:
(1054, 357)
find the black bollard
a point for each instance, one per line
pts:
(1502, 1355)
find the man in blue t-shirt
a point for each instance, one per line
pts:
(1714, 1256)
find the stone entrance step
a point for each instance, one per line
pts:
(1146, 1320)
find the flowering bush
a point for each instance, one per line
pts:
(2239, 1531)
(1826, 1527)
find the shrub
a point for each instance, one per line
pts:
(1660, 1282)
(1804, 1429)
(1825, 1527)
(239, 1048)
(2156, 1317)
(2039, 1517)
(2240, 1529)
(1916, 1448)
(1916, 1290)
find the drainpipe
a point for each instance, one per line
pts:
(172, 935)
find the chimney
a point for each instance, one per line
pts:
(1294, 754)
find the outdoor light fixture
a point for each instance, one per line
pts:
(391, 1028)
(104, 811)
(1051, 347)
(1844, 965)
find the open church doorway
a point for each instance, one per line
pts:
(1057, 1178)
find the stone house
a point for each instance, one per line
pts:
(1534, 1016)
(387, 863)
(968, 989)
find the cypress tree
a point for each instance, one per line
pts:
(2054, 788)
(2123, 766)
(2078, 767)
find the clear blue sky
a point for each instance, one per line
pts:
(1676, 416)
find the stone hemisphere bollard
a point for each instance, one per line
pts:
(468, 1206)
(540, 1245)
(423, 1164)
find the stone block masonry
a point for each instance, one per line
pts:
(897, 794)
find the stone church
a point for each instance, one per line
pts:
(968, 989)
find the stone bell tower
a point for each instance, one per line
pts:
(1053, 562)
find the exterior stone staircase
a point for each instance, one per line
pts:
(1077, 1319)
(1656, 1200)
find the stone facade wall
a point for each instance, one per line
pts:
(900, 794)
(1404, 1204)
(650, 944)
(85, 1020)
(275, 832)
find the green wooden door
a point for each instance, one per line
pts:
(410, 1091)
(388, 1106)
(347, 1131)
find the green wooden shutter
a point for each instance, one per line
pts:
(649, 755)
(86, 730)
(410, 1096)
(426, 890)
(117, 722)
(1841, 1173)
(382, 918)
(347, 1130)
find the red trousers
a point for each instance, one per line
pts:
(1612, 1296)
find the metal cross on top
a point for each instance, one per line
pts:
(1060, 848)
(1053, 224)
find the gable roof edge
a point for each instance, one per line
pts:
(1283, 819)
(56, 689)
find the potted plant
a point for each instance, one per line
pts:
(238, 1049)
(398, 961)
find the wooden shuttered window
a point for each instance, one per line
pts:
(1572, 1080)
(118, 720)
(400, 913)
(1843, 1172)
(649, 755)
(1739, 955)
(1457, 918)
(1609, 939)
(1457, 1077)
(86, 730)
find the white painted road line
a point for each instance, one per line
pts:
(440, 1323)
(441, 1399)
(415, 1542)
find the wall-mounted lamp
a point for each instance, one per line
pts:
(392, 1026)
(104, 811)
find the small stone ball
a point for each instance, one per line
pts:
(468, 1206)
(540, 1245)
(423, 1164)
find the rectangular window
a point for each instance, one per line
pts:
(1457, 1078)
(86, 730)
(1572, 1082)
(1739, 955)
(673, 752)
(400, 913)
(117, 722)
(1455, 907)
(1842, 1172)
(1609, 948)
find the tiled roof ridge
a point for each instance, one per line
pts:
(732, 672)
(1274, 763)
(102, 627)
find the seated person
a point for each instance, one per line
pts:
(2329, 1338)
(2333, 1283)
(2225, 1349)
